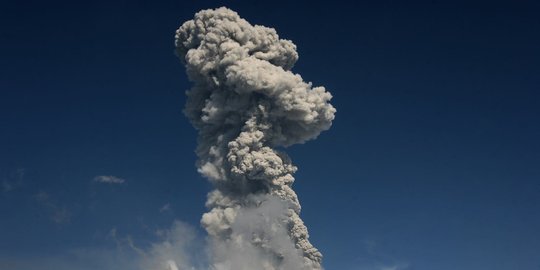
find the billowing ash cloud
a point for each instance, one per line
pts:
(245, 103)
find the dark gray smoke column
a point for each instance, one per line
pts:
(245, 102)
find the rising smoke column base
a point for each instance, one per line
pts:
(244, 103)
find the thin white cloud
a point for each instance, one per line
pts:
(373, 255)
(6, 186)
(13, 180)
(109, 179)
(57, 213)
(165, 208)
(398, 266)
(176, 248)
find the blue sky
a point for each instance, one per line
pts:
(433, 161)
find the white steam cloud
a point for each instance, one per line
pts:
(245, 103)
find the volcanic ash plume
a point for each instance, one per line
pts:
(245, 103)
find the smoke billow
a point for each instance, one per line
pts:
(245, 103)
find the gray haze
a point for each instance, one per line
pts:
(245, 103)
